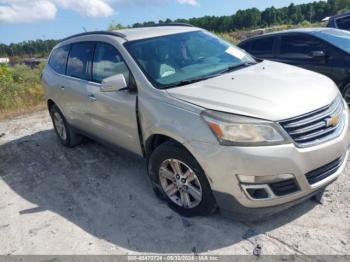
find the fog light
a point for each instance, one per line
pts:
(263, 179)
(258, 192)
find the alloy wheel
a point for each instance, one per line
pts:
(59, 125)
(180, 183)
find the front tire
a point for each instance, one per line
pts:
(178, 178)
(64, 131)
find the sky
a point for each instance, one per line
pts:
(55, 19)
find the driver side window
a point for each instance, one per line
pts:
(108, 62)
(299, 47)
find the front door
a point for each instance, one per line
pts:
(304, 51)
(112, 114)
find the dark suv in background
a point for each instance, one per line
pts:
(324, 50)
(340, 21)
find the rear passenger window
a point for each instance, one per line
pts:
(108, 62)
(299, 46)
(263, 46)
(58, 59)
(80, 59)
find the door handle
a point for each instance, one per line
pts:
(92, 98)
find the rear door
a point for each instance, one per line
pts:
(112, 114)
(300, 50)
(73, 87)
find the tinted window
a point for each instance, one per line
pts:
(344, 23)
(245, 45)
(108, 62)
(263, 46)
(299, 46)
(79, 61)
(58, 59)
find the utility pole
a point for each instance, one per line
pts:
(47, 49)
(311, 14)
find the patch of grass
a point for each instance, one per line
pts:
(20, 88)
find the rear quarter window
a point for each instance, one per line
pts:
(244, 45)
(262, 46)
(58, 59)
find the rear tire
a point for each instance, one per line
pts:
(64, 131)
(186, 189)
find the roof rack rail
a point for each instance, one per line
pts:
(167, 24)
(113, 33)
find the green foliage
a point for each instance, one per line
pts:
(339, 6)
(20, 87)
(114, 26)
(241, 20)
(254, 18)
(37, 48)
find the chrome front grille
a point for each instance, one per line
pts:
(318, 126)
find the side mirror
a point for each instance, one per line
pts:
(319, 56)
(114, 83)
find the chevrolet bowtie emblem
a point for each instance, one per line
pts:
(332, 121)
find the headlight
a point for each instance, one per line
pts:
(243, 131)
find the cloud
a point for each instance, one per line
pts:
(27, 11)
(34, 10)
(190, 2)
(89, 8)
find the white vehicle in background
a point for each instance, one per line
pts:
(4, 60)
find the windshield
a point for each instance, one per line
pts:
(179, 59)
(338, 38)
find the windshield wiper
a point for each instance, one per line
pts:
(235, 67)
(194, 80)
(189, 81)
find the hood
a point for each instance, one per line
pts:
(267, 90)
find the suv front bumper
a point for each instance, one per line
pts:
(223, 164)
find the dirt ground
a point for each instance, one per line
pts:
(91, 200)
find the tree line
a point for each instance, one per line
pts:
(241, 20)
(254, 18)
(38, 48)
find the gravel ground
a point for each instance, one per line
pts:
(90, 200)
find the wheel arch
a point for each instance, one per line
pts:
(155, 140)
(344, 84)
(50, 103)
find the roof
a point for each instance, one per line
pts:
(301, 30)
(141, 32)
(296, 30)
(153, 31)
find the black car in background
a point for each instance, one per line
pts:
(340, 21)
(324, 50)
